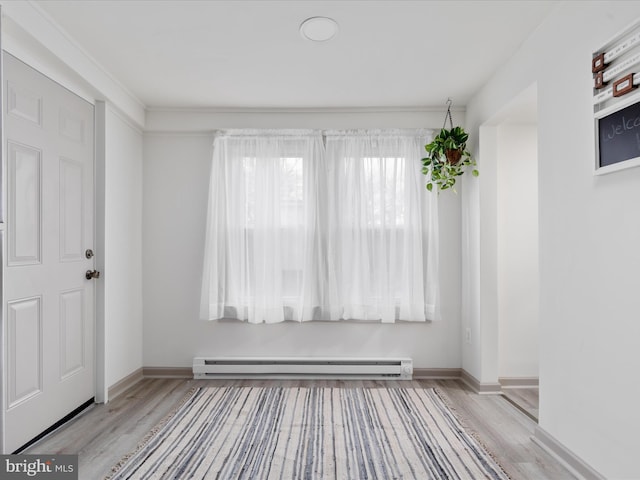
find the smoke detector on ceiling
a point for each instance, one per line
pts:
(319, 29)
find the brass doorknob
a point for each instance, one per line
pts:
(92, 274)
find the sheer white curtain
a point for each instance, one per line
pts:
(300, 231)
(265, 257)
(384, 225)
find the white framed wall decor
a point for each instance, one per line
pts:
(616, 102)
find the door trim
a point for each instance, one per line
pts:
(100, 350)
(3, 216)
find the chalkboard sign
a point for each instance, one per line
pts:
(619, 136)
(615, 69)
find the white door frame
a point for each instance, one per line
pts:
(100, 125)
(3, 216)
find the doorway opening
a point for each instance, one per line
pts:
(515, 130)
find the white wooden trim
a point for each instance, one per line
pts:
(36, 22)
(3, 215)
(125, 119)
(167, 134)
(418, 373)
(519, 382)
(175, 120)
(102, 390)
(570, 460)
(437, 373)
(201, 110)
(125, 383)
(479, 387)
(167, 372)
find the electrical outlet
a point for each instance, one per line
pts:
(467, 335)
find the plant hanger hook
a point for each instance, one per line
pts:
(449, 102)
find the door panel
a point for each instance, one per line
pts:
(71, 206)
(49, 304)
(72, 358)
(24, 181)
(23, 103)
(24, 331)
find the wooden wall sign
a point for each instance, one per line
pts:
(616, 101)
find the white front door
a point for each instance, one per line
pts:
(48, 303)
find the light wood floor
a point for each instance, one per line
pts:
(526, 399)
(103, 434)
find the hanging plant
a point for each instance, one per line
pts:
(447, 156)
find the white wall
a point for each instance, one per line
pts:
(518, 251)
(176, 177)
(28, 34)
(122, 274)
(589, 236)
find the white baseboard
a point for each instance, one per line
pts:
(436, 373)
(479, 387)
(187, 372)
(167, 372)
(570, 460)
(519, 382)
(418, 373)
(124, 384)
(130, 380)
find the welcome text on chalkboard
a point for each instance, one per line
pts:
(619, 136)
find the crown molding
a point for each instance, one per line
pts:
(57, 43)
(298, 110)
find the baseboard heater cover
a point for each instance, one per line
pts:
(303, 367)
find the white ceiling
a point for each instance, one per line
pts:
(250, 53)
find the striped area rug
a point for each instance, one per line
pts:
(310, 433)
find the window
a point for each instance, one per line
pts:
(273, 226)
(304, 226)
(385, 225)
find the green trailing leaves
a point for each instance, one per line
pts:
(448, 159)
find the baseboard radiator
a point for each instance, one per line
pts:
(303, 367)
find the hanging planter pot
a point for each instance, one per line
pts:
(447, 156)
(453, 156)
